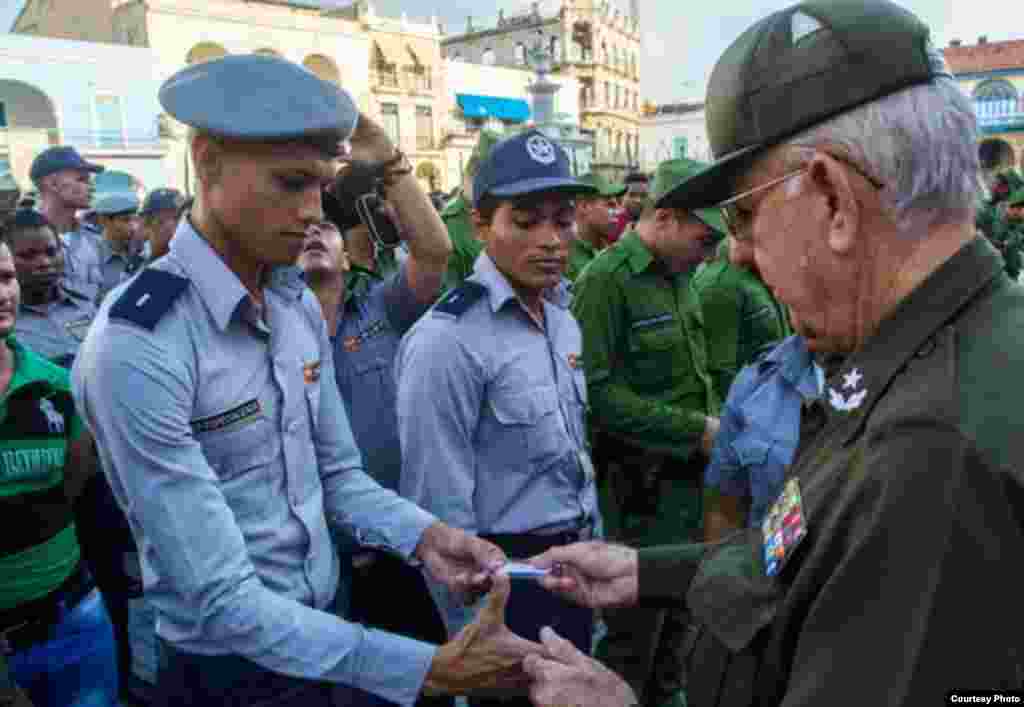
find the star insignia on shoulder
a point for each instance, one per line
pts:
(847, 403)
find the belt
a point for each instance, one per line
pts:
(32, 622)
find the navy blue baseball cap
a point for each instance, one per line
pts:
(57, 159)
(262, 99)
(117, 204)
(162, 200)
(524, 164)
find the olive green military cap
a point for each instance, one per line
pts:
(669, 176)
(603, 186)
(1016, 198)
(797, 68)
(484, 144)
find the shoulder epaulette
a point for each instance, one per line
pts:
(148, 298)
(459, 300)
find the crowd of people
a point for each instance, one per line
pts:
(278, 444)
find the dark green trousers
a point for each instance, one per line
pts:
(654, 501)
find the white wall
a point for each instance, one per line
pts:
(657, 134)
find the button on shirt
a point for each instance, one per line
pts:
(760, 426)
(369, 331)
(237, 452)
(56, 330)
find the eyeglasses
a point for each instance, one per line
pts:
(738, 222)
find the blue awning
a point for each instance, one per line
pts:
(515, 110)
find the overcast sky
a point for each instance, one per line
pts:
(682, 39)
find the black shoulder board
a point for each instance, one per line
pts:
(148, 298)
(461, 298)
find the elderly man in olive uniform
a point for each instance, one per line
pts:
(653, 405)
(847, 160)
(457, 216)
(596, 223)
(209, 384)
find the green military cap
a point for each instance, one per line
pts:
(797, 68)
(1016, 198)
(669, 176)
(603, 186)
(484, 144)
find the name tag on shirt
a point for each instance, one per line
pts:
(784, 528)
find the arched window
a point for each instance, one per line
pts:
(521, 54)
(488, 57)
(995, 98)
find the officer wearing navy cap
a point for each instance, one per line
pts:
(491, 393)
(64, 182)
(100, 264)
(159, 215)
(209, 384)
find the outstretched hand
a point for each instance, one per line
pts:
(594, 574)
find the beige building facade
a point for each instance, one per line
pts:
(592, 41)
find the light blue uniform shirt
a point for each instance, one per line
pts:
(79, 255)
(56, 330)
(491, 418)
(369, 330)
(228, 447)
(760, 426)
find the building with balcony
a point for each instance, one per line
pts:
(992, 74)
(592, 41)
(319, 34)
(100, 98)
(406, 86)
(672, 131)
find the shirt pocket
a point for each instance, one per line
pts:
(242, 458)
(531, 421)
(652, 350)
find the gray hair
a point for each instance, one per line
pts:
(921, 143)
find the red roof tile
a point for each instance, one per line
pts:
(991, 56)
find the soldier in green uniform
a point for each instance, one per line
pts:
(653, 406)
(995, 221)
(741, 316)
(596, 220)
(1010, 236)
(457, 216)
(847, 158)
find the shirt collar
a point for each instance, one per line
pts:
(912, 329)
(584, 246)
(500, 292)
(797, 367)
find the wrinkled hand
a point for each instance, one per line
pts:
(565, 677)
(462, 562)
(594, 574)
(485, 658)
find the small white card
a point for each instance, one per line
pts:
(521, 570)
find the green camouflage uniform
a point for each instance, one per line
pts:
(650, 392)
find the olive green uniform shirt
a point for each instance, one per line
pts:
(644, 350)
(913, 495)
(465, 246)
(581, 252)
(742, 318)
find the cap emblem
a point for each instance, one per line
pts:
(541, 150)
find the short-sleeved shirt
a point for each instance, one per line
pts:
(38, 548)
(743, 318)
(56, 330)
(760, 426)
(370, 328)
(644, 350)
(223, 434)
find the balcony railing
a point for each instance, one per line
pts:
(402, 80)
(999, 115)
